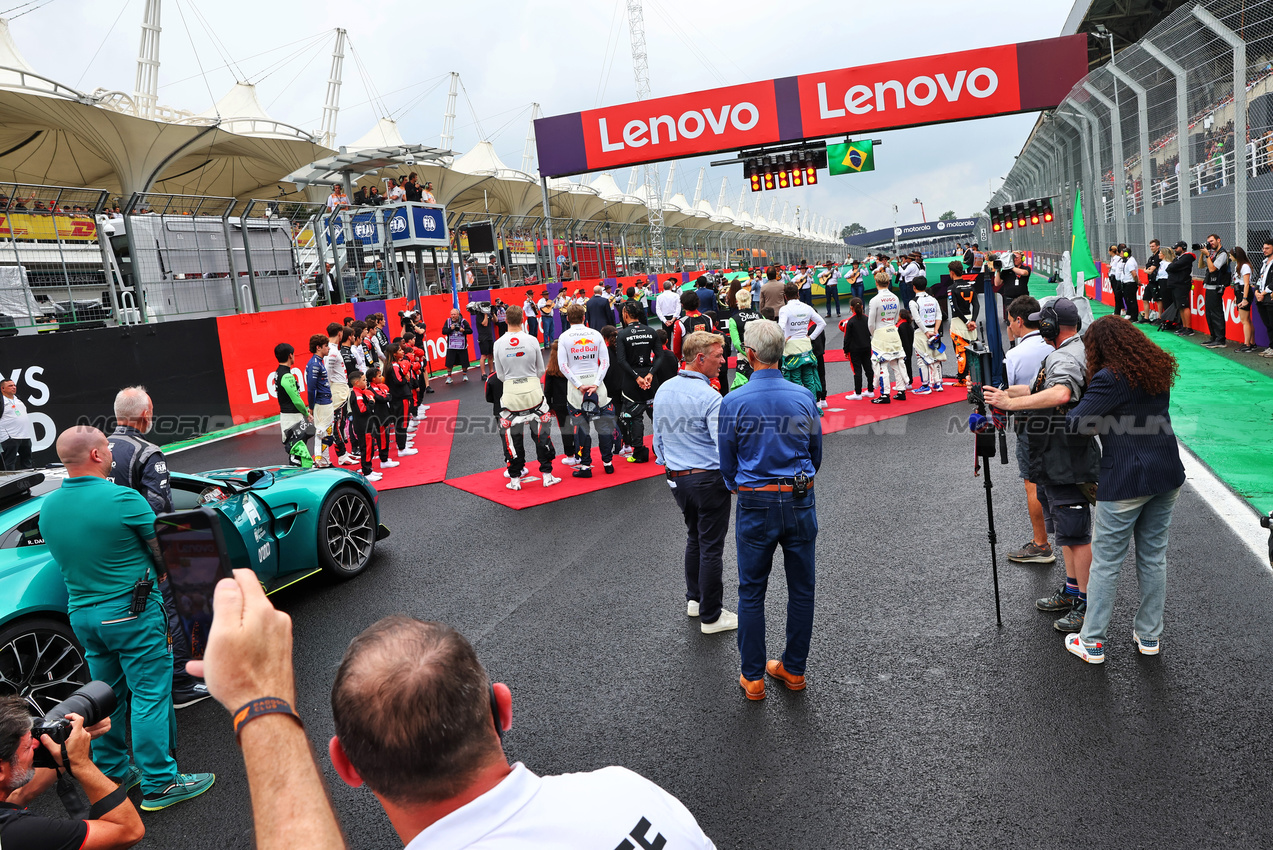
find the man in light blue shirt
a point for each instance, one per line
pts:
(686, 417)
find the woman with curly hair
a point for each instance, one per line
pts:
(1129, 388)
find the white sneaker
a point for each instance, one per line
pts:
(375, 476)
(625, 451)
(466, 379)
(823, 404)
(346, 460)
(388, 464)
(407, 452)
(550, 479)
(411, 426)
(525, 473)
(515, 484)
(423, 414)
(570, 461)
(854, 397)
(691, 608)
(448, 379)
(726, 622)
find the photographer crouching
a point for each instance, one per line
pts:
(111, 820)
(1065, 466)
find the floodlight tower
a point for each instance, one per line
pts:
(146, 89)
(641, 69)
(331, 107)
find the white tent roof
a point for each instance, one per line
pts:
(573, 200)
(620, 206)
(501, 190)
(384, 134)
(10, 56)
(240, 112)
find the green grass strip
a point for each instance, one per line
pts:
(216, 435)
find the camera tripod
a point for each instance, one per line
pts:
(986, 425)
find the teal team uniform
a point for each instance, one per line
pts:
(98, 532)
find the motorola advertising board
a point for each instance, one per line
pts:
(978, 83)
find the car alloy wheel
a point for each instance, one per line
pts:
(348, 532)
(41, 662)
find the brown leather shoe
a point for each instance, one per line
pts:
(793, 683)
(754, 689)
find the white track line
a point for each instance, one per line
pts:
(217, 439)
(1233, 511)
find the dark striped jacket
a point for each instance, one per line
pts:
(1140, 456)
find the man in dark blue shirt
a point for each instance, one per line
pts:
(770, 441)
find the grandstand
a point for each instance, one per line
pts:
(1172, 139)
(116, 208)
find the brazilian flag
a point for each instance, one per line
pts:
(851, 157)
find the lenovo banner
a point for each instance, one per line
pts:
(933, 89)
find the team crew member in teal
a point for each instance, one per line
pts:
(292, 410)
(103, 539)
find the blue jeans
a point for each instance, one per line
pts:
(859, 291)
(1147, 519)
(762, 522)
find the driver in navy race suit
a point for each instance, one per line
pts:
(139, 464)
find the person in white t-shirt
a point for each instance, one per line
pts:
(395, 194)
(929, 349)
(668, 305)
(420, 724)
(16, 431)
(799, 364)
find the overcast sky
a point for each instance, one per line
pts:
(565, 55)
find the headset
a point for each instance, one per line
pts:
(1050, 323)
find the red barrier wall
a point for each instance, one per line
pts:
(1196, 318)
(247, 346)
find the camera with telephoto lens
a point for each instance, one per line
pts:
(479, 308)
(1196, 247)
(94, 702)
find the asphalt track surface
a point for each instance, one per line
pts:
(923, 724)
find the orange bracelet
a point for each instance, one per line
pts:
(261, 707)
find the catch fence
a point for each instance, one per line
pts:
(70, 259)
(1172, 140)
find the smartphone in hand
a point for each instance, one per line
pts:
(195, 558)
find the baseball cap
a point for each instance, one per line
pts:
(1181, 246)
(1067, 315)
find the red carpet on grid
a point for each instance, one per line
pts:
(432, 438)
(842, 414)
(491, 485)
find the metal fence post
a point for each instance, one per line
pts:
(1092, 137)
(1240, 235)
(247, 256)
(1118, 164)
(1182, 134)
(1142, 118)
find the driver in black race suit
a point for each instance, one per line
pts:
(139, 464)
(634, 350)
